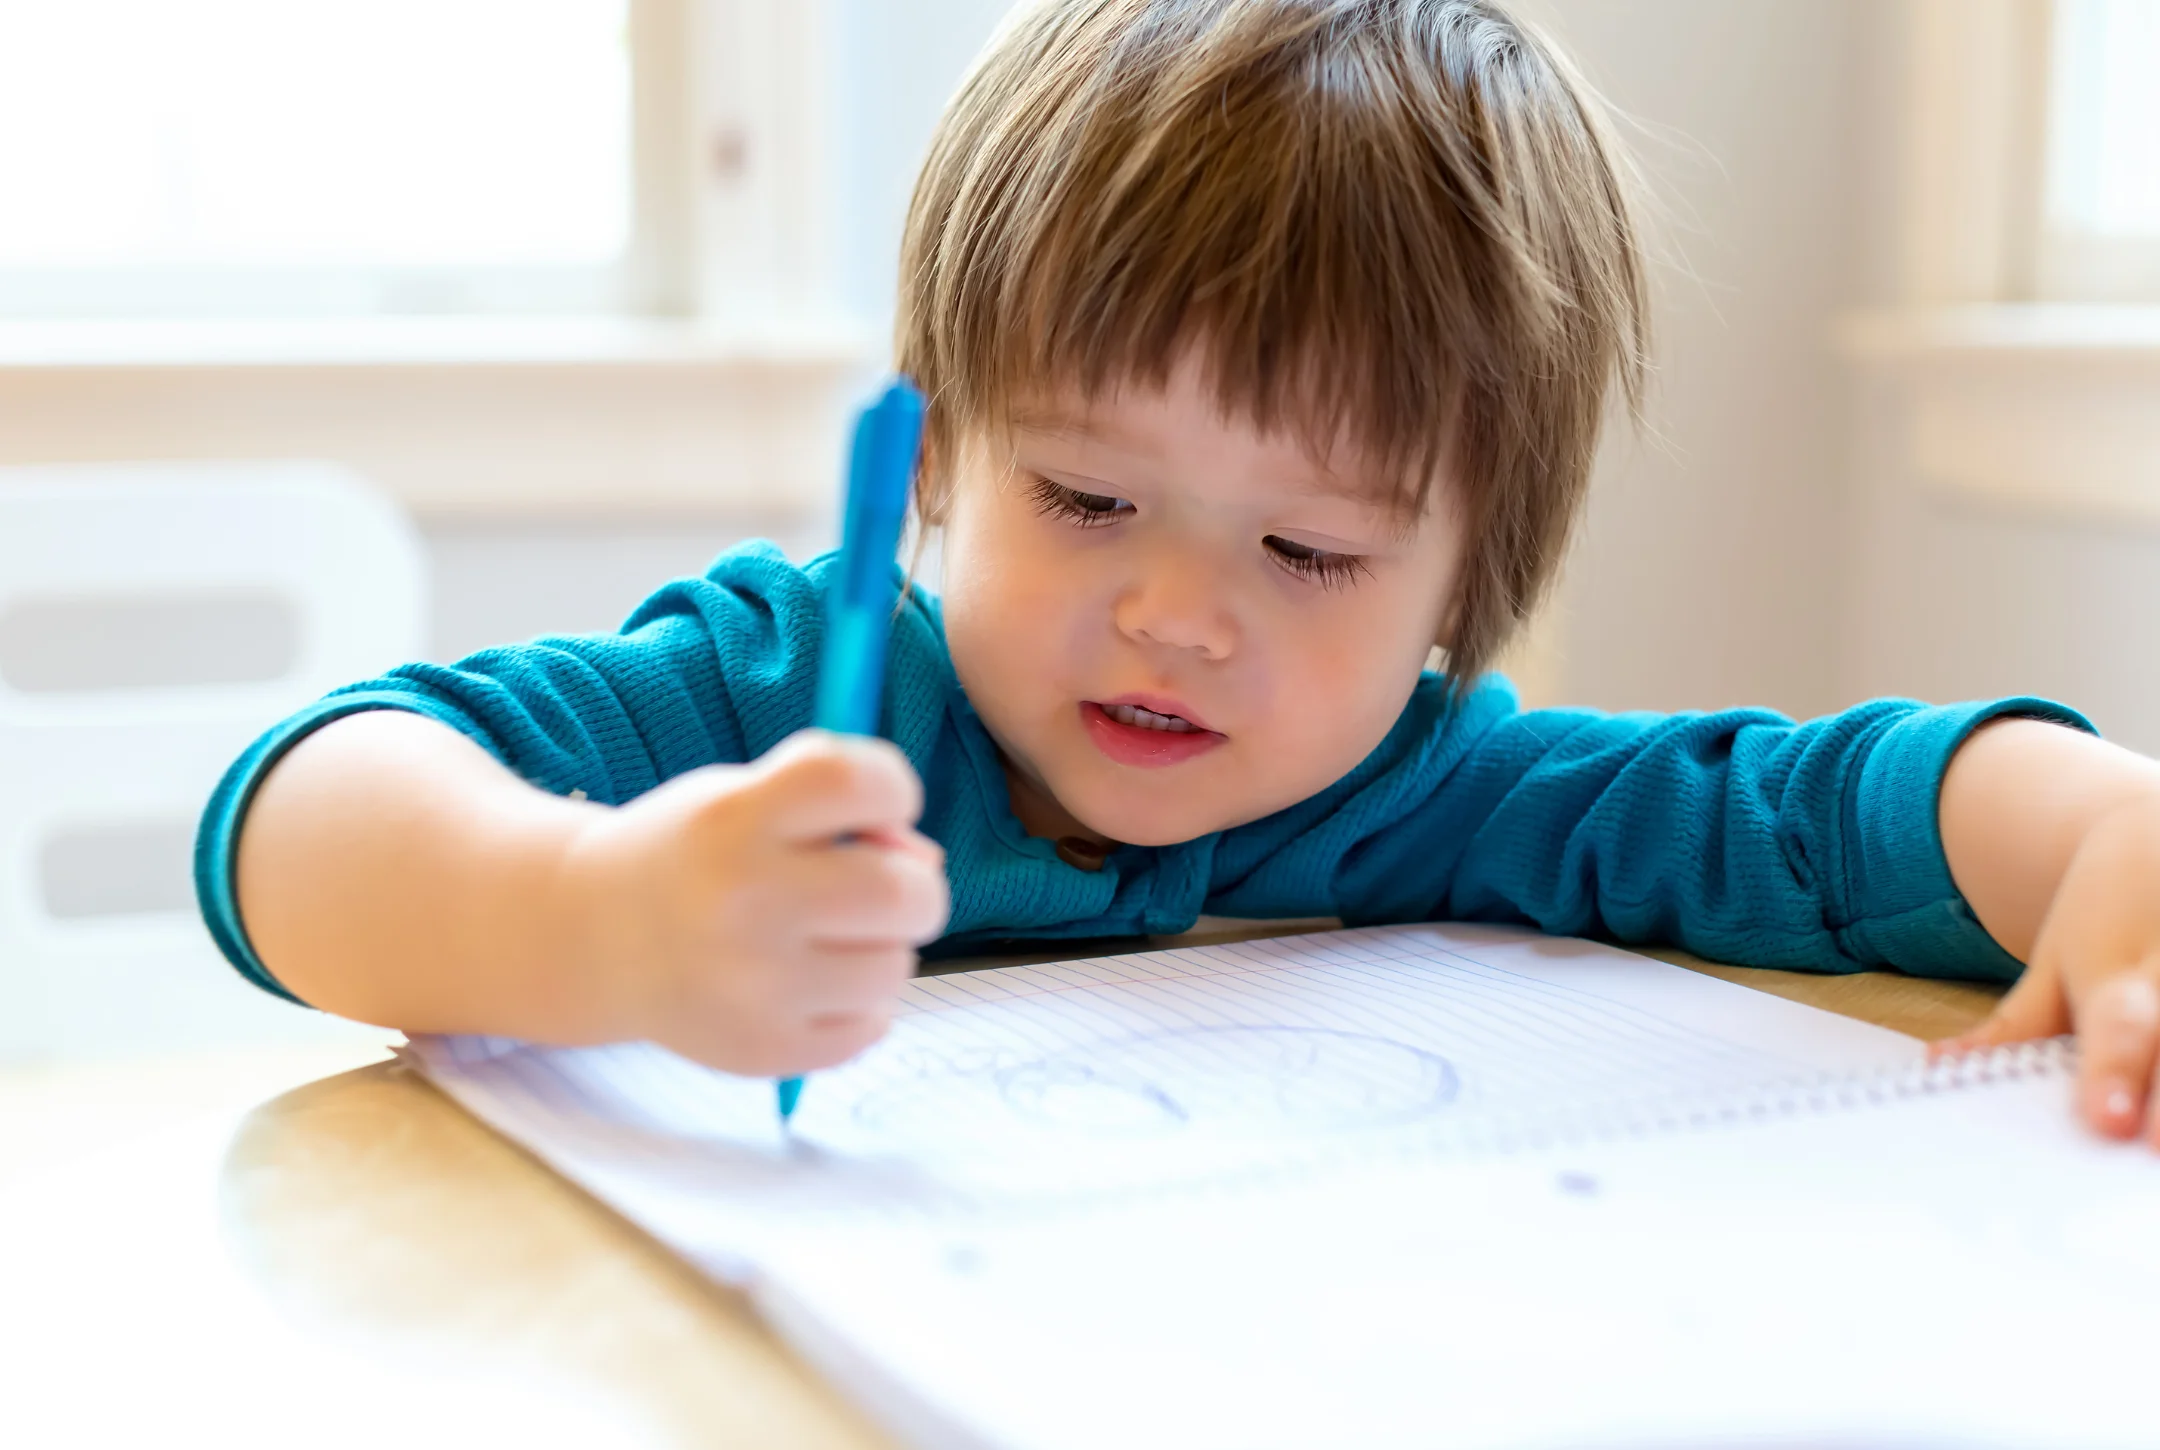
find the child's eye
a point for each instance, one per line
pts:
(1329, 571)
(1088, 510)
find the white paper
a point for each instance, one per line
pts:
(1401, 1186)
(1095, 1081)
(1964, 1268)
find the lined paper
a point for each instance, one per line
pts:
(1956, 1266)
(1250, 1196)
(1085, 1081)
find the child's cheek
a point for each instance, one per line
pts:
(1009, 609)
(1339, 683)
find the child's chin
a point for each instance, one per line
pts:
(1150, 823)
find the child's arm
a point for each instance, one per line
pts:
(390, 870)
(448, 872)
(1952, 841)
(2054, 839)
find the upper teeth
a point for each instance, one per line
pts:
(1146, 719)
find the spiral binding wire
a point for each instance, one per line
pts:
(1491, 1134)
(1726, 1106)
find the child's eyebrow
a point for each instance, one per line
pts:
(1056, 423)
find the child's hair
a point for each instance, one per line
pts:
(1400, 222)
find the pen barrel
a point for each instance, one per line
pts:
(853, 675)
(861, 589)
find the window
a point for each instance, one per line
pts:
(2100, 229)
(214, 157)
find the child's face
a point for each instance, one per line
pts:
(1145, 551)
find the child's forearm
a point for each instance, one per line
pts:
(2020, 798)
(2054, 838)
(389, 870)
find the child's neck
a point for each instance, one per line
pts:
(1040, 814)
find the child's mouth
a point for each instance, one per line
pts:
(1135, 735)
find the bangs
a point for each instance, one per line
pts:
(1392, 224)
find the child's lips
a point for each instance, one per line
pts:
(1141, 746)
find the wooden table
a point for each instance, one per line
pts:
(356, 1261)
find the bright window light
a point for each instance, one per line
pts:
(2104, 171)
(314, 133)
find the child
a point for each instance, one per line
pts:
(1267, 343)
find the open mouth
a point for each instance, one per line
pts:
(1148, 720)
(1132, 734)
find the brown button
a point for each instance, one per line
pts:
(1080, 852)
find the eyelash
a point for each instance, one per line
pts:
(1070, 504)
(1095, 511)
(1329, 571)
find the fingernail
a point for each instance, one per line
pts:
(2140, 1002)
(2117, 1101)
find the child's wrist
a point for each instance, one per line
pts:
(581, 923)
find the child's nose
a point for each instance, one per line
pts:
(1177, 604)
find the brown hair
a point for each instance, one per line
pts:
(1401, 218)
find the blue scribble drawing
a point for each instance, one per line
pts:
(1226, 1081)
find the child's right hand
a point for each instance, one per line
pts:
(762, 918)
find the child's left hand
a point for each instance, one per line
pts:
(2095, 969)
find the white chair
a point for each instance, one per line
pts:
(312, 574)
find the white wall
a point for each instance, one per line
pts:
(1961, 598)
(1776, 545)
(495, 583)
(1709, 567)
(1952, 595)
(897, 65)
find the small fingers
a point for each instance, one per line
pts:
(818, 786)
(846, 980)
(869, 894)
(911, 842)
(833, 1038)
(802, 1045)
(2035, 1007)
(2119, 1037)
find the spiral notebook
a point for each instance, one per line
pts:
(1414, 1185)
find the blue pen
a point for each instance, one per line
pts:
(859, 593)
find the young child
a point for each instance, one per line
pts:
(1267, 343)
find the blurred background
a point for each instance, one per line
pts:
(558, 298)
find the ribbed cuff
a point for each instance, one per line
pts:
(1908, 912)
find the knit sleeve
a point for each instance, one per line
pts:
(709, 670)
(1740, 835)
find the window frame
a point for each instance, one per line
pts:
(1979, 125)
(2072, 265)
(728, 152)
(1974, 392)
(720, 388)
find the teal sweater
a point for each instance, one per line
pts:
(1738, 835)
